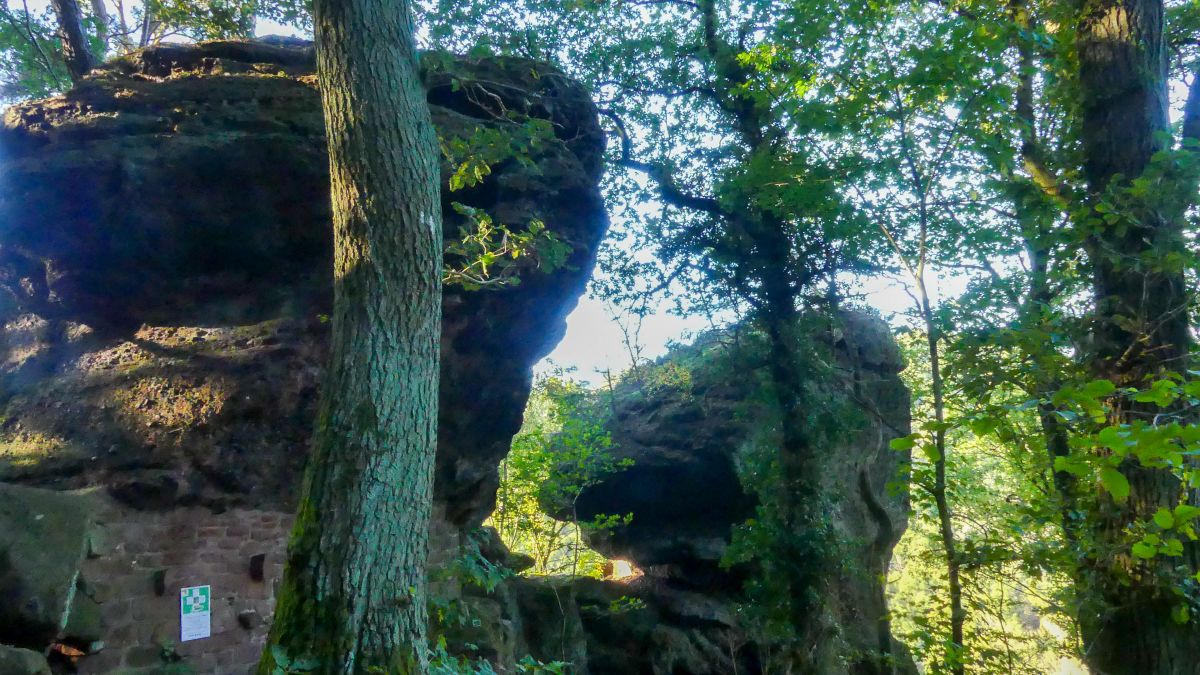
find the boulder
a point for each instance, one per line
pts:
(166, 268)
(15, 661)
(691, 424)
(44, 536)
(685, 423)
(602, 627)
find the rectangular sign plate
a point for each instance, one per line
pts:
(195, 613)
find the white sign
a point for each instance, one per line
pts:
(195, 613)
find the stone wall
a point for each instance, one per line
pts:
(142, 561)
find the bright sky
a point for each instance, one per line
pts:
(594, 342)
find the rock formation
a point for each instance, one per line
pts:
(166, 261)
(165, 267)
(164, 281)
(687, 423)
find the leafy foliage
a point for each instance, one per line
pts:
(562, 449)
(1016, 568)
(31, 64)
(489, 254)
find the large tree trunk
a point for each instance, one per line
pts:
(353, 592)
(1140, 330)
(76, 51)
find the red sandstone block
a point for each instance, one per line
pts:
(247, 654)
(121, 636)
(152, 632)
(224, 641)
(115, 612)
(150, 560)
(205, 663)
(264, 534)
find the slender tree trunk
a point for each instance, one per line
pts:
(1054, 431)
(353, 592)
(1035, 230)
(1140, 330)
(956, 654)
(941, 494)
(803, 548)
(123, 31)
(100, 14)
(76, 51)
(1191, 110)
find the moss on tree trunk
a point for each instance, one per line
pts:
(353, 596)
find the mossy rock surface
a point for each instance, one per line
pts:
(43, 538)
(16, 661)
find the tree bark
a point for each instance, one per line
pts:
(768, 256)
(76, 52)
(1140, 330)
(353, 592)
(100, 14)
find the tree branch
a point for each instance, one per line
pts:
(31, 36)
(671, 193)
(1031, 150)
(959, 11)
(652, 3)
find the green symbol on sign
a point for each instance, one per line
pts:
(194, 600)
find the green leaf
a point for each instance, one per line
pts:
(1098, 389)
(1164, 519)
(1113, 438)
(1144, 551)
(1185, 512)
(1115, 483)
(279, 654)
(903, 443)
(1071, 465)
(1180, 614)
(1173, 547)
(1161, 393)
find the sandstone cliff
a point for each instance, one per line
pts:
(165, 260)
